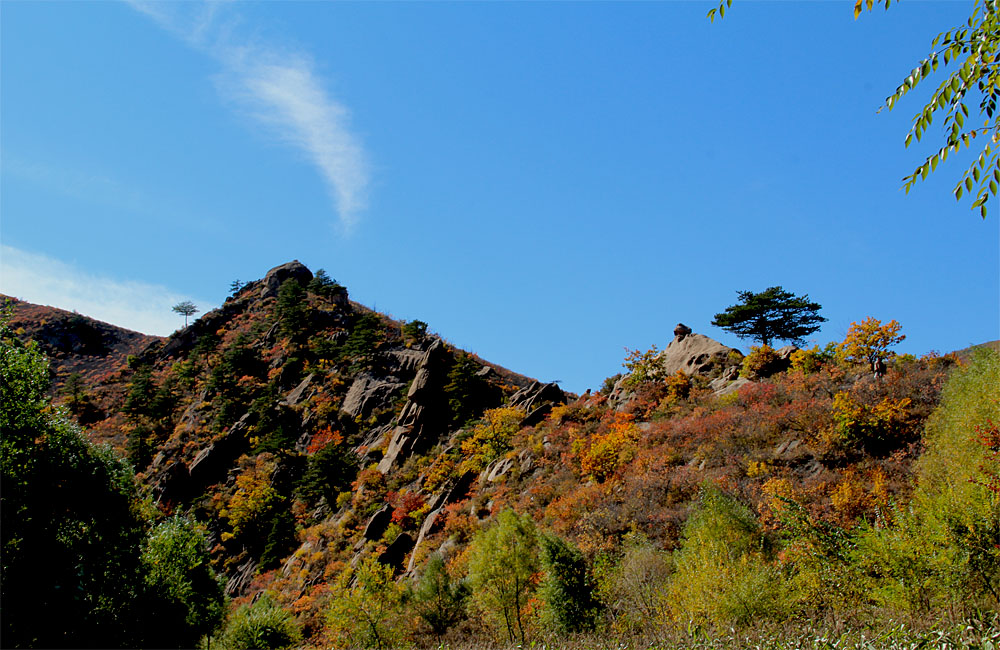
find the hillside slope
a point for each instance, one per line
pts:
(310, 435)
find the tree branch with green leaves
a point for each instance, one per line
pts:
(971, 50)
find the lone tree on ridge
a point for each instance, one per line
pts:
(773, 314)
(185, 309)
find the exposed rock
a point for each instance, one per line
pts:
(239, 582)
(697, 354)
(536, 416)
(787, 447)
(425, 529)
(535, 394)
(276, 276)
(211, 462)
(415, 421)
(297, 394)
(498, 469)
(731, 386)
(403, 361)
(190, 418)
(378, 523)
(785, 352)
(487, 373)
(367, 394)
(527, 459)
(682, 330)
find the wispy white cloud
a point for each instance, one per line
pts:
(43, 280)
(279, 89)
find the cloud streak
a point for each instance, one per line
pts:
(43, 280)
(280, 90)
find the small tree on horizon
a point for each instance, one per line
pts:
(773, 314)
(185, 308)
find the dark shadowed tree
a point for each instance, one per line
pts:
(773, 314)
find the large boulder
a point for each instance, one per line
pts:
(537, 393)
(277, 276)
(696, 354)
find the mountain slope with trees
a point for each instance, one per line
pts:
(357, 481)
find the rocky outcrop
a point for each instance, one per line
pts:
(697, 354)
(535, 394)
(276, 277)
(368, 393)
(722, 386)
(176, 482)
(415, 424)
(239, 582)
(299, 393)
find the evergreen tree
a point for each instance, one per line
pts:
(568, 589)
(773, 314)
(438, 599)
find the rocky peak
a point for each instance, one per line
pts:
(275, 277)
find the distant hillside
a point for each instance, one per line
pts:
(77, 344)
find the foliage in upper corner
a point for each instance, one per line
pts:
(772, 314)
(973, 48)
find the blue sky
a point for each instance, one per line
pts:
(545, 184)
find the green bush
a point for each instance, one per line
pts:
(264, 625)
(437, 598)
(366, 608)
(69, 517)
(186, 598)
(724, 570)
(415, 329)
(568, 589)
(503, 561)
(950, 499)
(635, 588)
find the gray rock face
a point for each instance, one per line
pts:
(425, 529)
(404, 361)
(366, 394)
(411, 430)
(724, 387)
(240, 581)
(682, 330)
(276, 276)
(696, 354)
(299, 392)
(535, 394)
